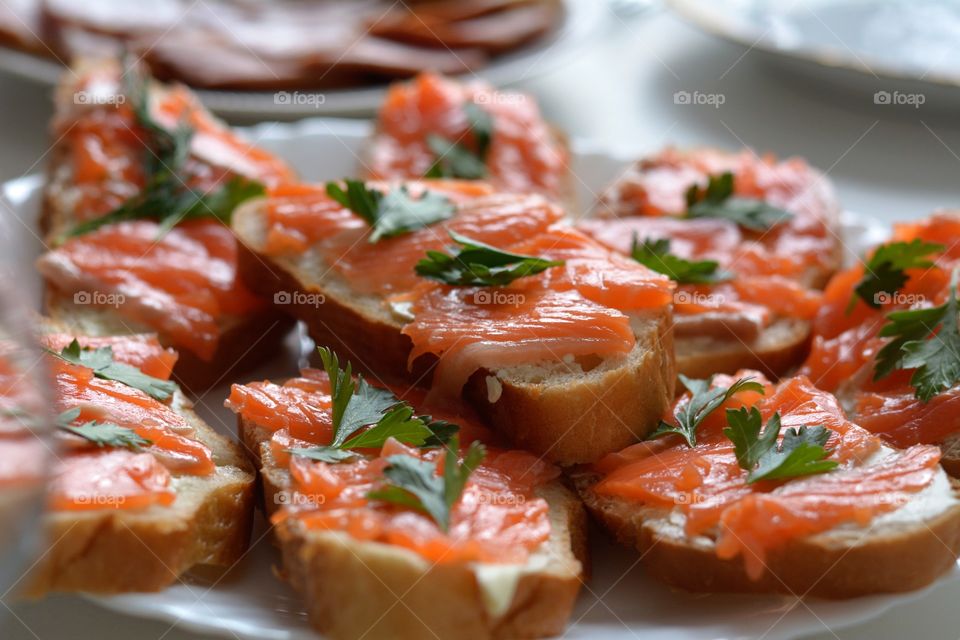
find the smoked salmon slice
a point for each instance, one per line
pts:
(577, 309)
(708, 487)
(182, 284)
(846, 341)
(524, 154)
(107, 144)
(772, 273)
(142, 351)
(499, 517)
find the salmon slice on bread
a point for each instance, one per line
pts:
(432, 126)
(829, 509)
(885, 343)
(142, 489)
(749, 239)
(140, 183)
(563, 362)
(505, 557)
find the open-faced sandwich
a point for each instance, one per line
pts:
(752, 486)
(142, 489)
(748, 239)
(887, 340)
(561, 344)
(435, 127)
(142, 182)
(395, 520)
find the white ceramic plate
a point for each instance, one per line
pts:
(907, 46)
(620, 602)
(585, 20)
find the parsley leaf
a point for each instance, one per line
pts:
(704, 400)
(801, 453)
(393, 213)
(361, 405)
(103, 365)
(165, 196)
(885, 273)
(102, 434)
(927, 340)
(479, 264)
(718, 201)
(455, 160)
(744, 432)
(655, 255)
(414, 483)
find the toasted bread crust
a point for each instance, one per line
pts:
(568, 423)
(114, 551)
(835, 565)
(779, 349)
(400, 589)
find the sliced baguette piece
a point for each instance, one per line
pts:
(244, 339)
(777, 350)
(384, 157)
(114, 550)
(897, 525)
(564, 411)
(889, 557)
(356, 589)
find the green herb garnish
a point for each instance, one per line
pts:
(885, 272)
(655, 255)
(479, 264)
(414, 483)
(105, 367)
(360, 405)
(801, 453)
(455, 160)
(927, 340)
(393, 213)
(704, 400)
(718, 201)
(102, 434)
(165, 197)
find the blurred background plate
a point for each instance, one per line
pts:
(584, 21)
(897, 49)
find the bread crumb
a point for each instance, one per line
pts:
(494, 389)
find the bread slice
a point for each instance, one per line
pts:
(355, 589)
(892, 554)
(565, 193)
(567, 411)
(114, 550)
(778, 349)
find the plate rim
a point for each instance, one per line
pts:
(701, 14)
